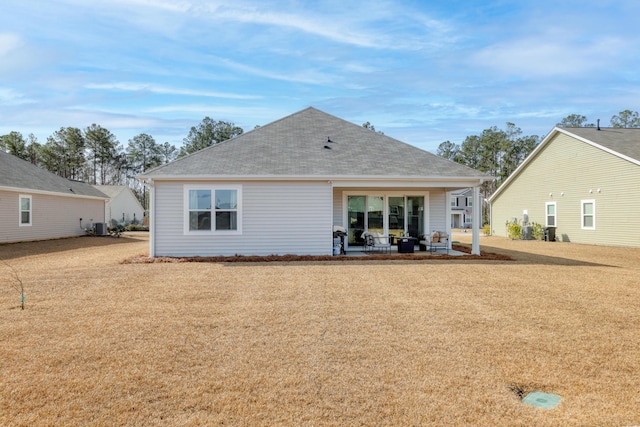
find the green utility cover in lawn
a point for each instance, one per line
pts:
(542, 400)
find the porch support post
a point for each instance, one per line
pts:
(447, 216)
(476, 210)
(151, 213)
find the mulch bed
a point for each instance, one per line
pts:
(485, 256)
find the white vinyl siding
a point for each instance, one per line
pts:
(52, 216)
(568, 171)
(438, 212)
(278, 218)
(588, 214)
(124, 208)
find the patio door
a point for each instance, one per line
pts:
(364, 213)
(384, 213)
(396, 215)
(356, 220)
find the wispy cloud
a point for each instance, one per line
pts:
(10, 96)
(419, 71)
(9, 42)
(549, 55)
(143, 87)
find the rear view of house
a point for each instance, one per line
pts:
(281, 189)
(580, 183)
(36, 204)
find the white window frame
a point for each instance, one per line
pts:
(212, 188)
(582, 214)
(555, 214)
(385, 204)
(470, 201)
(454, 201)
(20, 211)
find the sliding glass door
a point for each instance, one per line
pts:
(396, 217)
(415, 216)
(387, 214)
(355, 220)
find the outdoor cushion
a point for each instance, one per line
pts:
(435, 237)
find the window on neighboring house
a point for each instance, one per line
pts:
(454, 201)
(468, 217)
(588, 215)
(212, 209)
(25, 210)
(550, 220)
(469, 201)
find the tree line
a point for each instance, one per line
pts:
(96, 156)
(499, 152)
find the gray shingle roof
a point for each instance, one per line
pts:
(621, 140)
(295, 146)
(22, 175)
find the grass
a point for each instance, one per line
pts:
(367, 342)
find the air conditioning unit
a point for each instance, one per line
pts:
(101, 228)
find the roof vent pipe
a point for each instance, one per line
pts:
(598, 124)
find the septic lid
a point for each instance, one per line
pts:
(542, 400)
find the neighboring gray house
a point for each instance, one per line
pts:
(280, 189)
(582, 182)
(36, 204)
(461, 208)
(122, 207)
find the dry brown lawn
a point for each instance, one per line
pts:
(405, 342)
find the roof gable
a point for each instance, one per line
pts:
(119, 192)
(622, 142)
(311, 143)
(19, 174)
(110, 190)
(619, 142)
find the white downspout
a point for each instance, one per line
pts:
(447, 217)
(475, 221)
(152, 217)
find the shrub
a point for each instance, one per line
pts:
(514, 230)
(537, 231)
(136, 227)
(486, 229)
(116, 231)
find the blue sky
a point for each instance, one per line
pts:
(420, 71)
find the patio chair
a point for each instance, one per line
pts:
(376, 242)
(434, 241)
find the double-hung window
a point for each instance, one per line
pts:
(550, 216)
(212, 209)
(25, 211)
(588, 214)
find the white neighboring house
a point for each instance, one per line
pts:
(282, 187)
(36, 204)
(123, 206)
